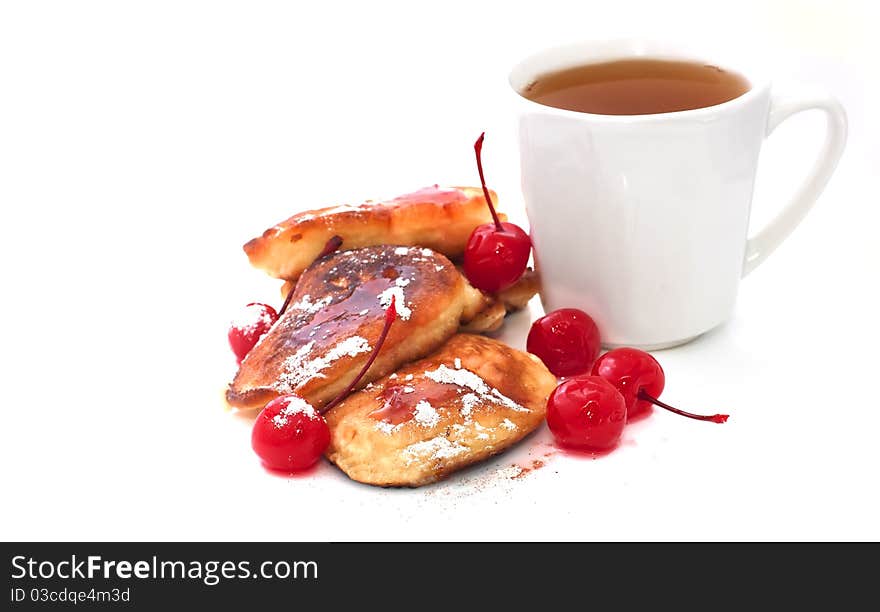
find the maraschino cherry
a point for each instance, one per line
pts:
(640, 379)
(249, 327)
(289, 434)
(257, 318)
(497, 253)
(566, 340)
(586, 413)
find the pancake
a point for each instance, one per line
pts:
(471, 399)
(517, 296)
(337, 312)
(487, 320)
(483, 312)
(491, 316)
(440, 219)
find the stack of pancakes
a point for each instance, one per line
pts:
(438, 397)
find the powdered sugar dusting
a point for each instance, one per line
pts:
(468, 403)
(248, 323)
(386, 427)
(425, 414)
(462, 378)
(508, 424)
(503, 399)
(457, 363)
(295, 405)
(306, 305)
(435, 448)
(298, 369)
(466, 378)
(403, 311)
(401, 250)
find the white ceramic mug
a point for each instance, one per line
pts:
(642, 220)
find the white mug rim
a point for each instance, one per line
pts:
(596, 51)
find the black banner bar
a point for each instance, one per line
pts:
(153, 576)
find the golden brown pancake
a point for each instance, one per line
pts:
(488, 319)
(336, 314)
(517, 296)
(483, 312)
(491, 315)
(471, 399)
(440, 219)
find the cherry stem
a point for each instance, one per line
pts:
(390, 315)
(715, 418)
(478, 150)
(332, 245)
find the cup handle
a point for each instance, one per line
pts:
(759, 247)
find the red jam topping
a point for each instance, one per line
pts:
(434, 194)
(400, 399)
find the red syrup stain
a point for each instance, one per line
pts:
(302, 474)
(341, 319)
(585, 454)
(433, 194)
(353, 307)
(399, 405)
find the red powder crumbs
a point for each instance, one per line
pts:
(522, 472)
(536, 464)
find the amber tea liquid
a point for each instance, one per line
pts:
(636, 87)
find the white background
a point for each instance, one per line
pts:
(142, 143)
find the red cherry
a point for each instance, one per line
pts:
(497, 253)
(566, 340)
(289, 434)
(246, 331)
(631, 371)
(495, 259)
(640, 380)
(586, 413)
